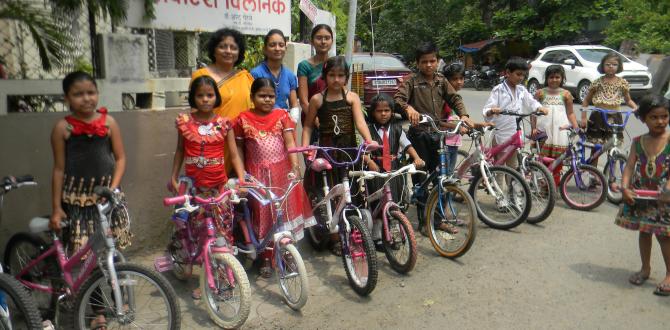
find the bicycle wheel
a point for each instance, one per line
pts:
(292, 276)
(17, 309)
(400, 250)
(149, 301)
(613, 172)
(23, 248)
(587, 196)
(510, 203)
(227, 304)
(456, 209)
(542, 191)
(359, 256)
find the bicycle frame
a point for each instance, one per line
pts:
(572, 153)
(205, 233)
(97, 242)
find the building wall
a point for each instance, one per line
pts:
(149, 138)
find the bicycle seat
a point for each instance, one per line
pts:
(320, 164)
(41, 224)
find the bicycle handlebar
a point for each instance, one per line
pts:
(183, 199)
(366, 175)
(606, 112)
(521, 115)
(359, 151)
(9, 182)
(431, 121)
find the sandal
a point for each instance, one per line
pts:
(266, 270)
(336, 249)
(663, 289)
(196, 294)
(638, 279)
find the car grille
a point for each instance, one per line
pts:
(637, 80)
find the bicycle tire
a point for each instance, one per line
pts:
(97, 282)
(23, 247)
(546, 187)
(359, 235)
(22, 303)
(466, 225)
(489, 220)
(619, 162)
(297, 266)
(403, 235)
(595, 173)
(242, 283)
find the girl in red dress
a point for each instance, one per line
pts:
(203, 136)
(263, 135)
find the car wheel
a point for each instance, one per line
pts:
(583, 90)
(533, 86)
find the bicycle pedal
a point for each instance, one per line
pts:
(163, 263)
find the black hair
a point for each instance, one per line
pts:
(335, 62)
(74, 77)
(196, 83)
(221, 34)
(379, 98)
(610, 55)
(320, 27)
(554, 69)
(453, 69)
(650, 102)
(425, 48)
(260, 83)
(515, 64)
(271, 33)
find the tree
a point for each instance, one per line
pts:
(646, 21)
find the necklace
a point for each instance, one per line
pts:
(277, 79)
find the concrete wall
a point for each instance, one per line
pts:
(149, 138)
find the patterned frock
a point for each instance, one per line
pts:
(608, 95)
(266, 159)
(89, 162)
(646, 215)
(557, 140)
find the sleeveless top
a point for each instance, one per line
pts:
(336, 119)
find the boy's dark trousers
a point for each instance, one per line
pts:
(426, 145)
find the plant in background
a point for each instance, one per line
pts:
(82, 64)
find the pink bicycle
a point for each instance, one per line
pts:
(89, 283)
(196, 241)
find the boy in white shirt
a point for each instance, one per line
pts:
(512, 96)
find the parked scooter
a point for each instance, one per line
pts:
(487, 77)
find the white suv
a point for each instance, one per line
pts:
(581, 68)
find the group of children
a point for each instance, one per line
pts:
(258, 139)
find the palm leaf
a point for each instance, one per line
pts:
(50, 38)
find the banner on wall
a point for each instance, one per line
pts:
(254, 17)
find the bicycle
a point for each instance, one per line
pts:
(449, 212)
(397, 234)
(195, 241)
(17, 308)
(495, 207)
(539, 179)
(290, 268)
(358, 252)
(99, 286)
(588, 180)
(616, 158)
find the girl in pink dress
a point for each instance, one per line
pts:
(263, 135)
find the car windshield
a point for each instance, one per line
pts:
(596, 54)
(372, 62)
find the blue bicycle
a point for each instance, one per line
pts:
(616, 158)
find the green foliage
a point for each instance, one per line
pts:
(82, 64)
(254, 53)
(647, 22)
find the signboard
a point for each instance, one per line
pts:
(255, 17)
(309, 9)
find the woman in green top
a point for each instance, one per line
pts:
(309, 70)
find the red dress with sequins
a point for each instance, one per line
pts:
(266, 159)
(204, 145)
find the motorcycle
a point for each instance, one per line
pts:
(487, 77)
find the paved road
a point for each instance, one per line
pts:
(568, 272)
